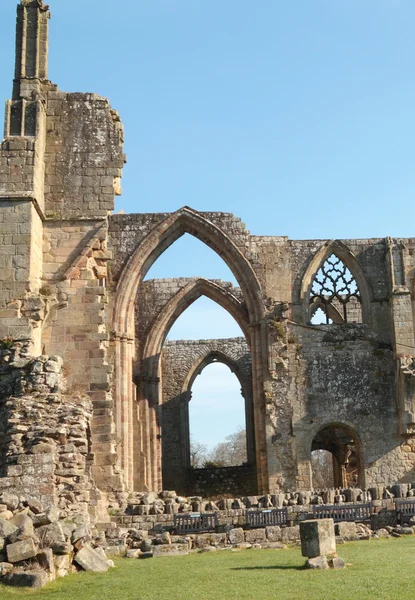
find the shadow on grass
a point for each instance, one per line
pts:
(277, 567)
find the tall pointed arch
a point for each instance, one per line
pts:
(164, 235)
(347, 263)
(178, 304)
(215, 356)
(143, 440)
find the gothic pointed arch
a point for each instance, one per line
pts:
(177, 305)
(245, 380)
(140, 449)
(333, 278)
(210, 357)
(185, 220)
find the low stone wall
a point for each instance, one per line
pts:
(154, 512)
(131, 541)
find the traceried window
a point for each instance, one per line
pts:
(334, 296)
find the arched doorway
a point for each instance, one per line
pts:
(344, 445)
(322, 469)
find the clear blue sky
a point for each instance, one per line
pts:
(298, 116)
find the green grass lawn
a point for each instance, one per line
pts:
(379, 569)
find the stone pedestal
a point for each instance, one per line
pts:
(317, 537)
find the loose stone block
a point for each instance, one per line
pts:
(290, 535)
(91, 560)
(255, 536)
(318, 562)
(170, 550)
(236, 535)
(337, 563)
(30, 579)
(317, 537)
(346, 530)
(21, 550)
(7, 528)
(273, 533)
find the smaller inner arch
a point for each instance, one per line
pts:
(217, 415)
(322, 469)
(343, 444)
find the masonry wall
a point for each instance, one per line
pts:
(45, 444)
(71, 285)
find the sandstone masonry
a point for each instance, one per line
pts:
(327, 361)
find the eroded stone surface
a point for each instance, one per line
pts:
(21, 550)
(91, 560)
(317, 537)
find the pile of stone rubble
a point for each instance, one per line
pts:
(169, 503)
(36, 546)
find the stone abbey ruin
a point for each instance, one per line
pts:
(94, 403)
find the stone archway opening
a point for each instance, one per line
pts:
(139, 437)
(217, 416)
(322, 469)
(344, 446)
(185, 363)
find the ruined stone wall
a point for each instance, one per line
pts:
(127, 231)
(71, 286)
(86, 129)
(221, 481)
(347, 376)
(45, 435)
(61, 163)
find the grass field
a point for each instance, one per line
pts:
(379, 569)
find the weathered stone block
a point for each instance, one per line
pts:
(317, 537)
(91, 560)
(255, 536)
(5, 568)
(49, 535)
(290, 535)
(62, 565)
(346, 530)
(170, 550)
(30, 579)
(21, 550)
(24, 525)
(318, 562)
(236, 535)
(337, 563)
(273, 533)
(7, 528)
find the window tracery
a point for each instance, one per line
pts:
(334, 296)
